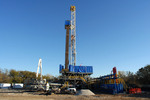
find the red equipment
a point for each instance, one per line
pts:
(114, 70)
(135, 90)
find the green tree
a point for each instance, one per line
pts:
(143, 75)
(48, 77)
(1, 76)
(26, 75)
(13, 73)
(128, 77)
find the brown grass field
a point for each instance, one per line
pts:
(6, 94)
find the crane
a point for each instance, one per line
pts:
(35, 84)
(39, 65)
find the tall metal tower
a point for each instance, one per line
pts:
(73, 36)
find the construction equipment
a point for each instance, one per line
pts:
(41, 81)
(39, 65)
(135, 90)
(114, 84)
(37, 84)
(111, 83)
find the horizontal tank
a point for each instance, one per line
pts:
(18, 85)
(5, 85)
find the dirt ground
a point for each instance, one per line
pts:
(6, 94)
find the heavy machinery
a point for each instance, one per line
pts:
(72, 74)
(39, 66)
(114, 84)
(111, 83)
(37, 84)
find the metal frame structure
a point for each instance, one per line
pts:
(111, 83)
(77, 79)
(73, 36)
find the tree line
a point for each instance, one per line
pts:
(142, 76)
(14, 76)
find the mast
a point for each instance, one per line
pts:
(73, 36)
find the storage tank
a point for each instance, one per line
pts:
(5, 85)
(18, 85)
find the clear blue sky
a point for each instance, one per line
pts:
(109, 33)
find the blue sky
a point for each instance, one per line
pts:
(109, 33)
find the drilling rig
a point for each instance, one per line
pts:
(77, 76)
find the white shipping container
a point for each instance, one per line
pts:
(5, 85)
(18, 85)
